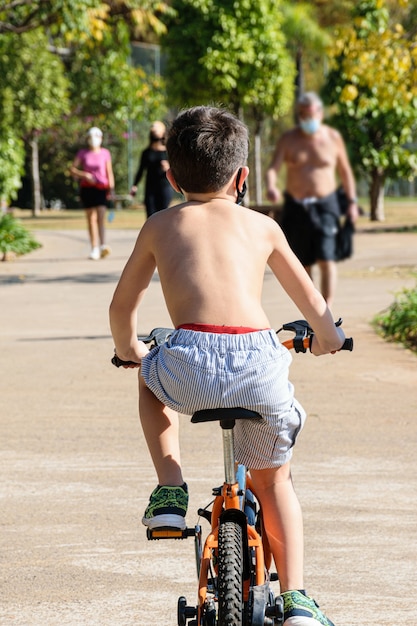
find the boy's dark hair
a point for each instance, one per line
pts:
(205, 146)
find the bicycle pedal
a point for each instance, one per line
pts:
(166, 532)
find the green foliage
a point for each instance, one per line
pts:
(373, 83)
(399, 322)
(12, 153)
(33, 96)
(12, 156)
(14, 237)
(42, 96)
(106, 91)
(330, 14)
(229, 52)
(104, 83)
(26, 15)
(75, 19)
(302, 29)
(36, 77)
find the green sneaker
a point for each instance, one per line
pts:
(301, 610)
(167, 507)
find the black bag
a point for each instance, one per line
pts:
(344, 240)
(342, 200)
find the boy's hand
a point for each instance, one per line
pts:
(317, 349)
(132, 358)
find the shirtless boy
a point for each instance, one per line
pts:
(211, 256)
(313, 153)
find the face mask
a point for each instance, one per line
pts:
(153, 137)
(310, 126)
(95, 141)
(240, 194)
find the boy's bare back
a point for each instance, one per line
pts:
(211, 259)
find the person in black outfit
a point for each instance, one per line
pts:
(154, 159)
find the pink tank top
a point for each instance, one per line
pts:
(96, 164)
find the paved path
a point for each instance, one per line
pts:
(76, 474)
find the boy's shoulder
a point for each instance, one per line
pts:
(223, 214)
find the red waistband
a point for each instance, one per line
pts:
(212, 328)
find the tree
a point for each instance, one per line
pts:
(331, 14)
(304, 36)
(92, 37)
(12, 152)
(232, 53)
(35, 78)
(22, 16)
(107, 91)
(373, 84)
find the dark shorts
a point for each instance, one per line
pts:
(311, 228)
(92, 197)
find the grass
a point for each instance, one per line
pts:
(400, 214)
(74, 219)
(398, 322)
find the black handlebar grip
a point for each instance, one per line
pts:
(119, 363)
(348, 345)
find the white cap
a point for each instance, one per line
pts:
(95, 131)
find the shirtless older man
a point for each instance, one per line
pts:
(313, 154)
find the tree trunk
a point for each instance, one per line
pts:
(36, 182)
(376, 196)
(299, 78)
(258, 167)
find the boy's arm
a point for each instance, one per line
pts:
(300, 288)
(129, 292)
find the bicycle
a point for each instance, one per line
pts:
(234, 561)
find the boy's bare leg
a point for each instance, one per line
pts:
(160, 427)
(328, 273)
(283, 523)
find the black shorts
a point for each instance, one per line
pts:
(311, 228)
(92, 197)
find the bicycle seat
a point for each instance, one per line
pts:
(223, 415)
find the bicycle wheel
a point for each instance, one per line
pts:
(230, 575)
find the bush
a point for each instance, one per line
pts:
(15, 238)
(399, 321)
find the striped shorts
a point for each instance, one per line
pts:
(202, 370)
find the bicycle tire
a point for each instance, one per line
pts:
(230, 575)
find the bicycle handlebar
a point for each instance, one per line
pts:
(306, 344)
(304, 335)
(300, 343)
(156, 337)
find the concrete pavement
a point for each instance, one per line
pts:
(76, 474)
